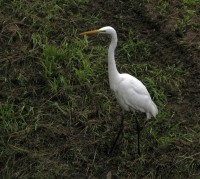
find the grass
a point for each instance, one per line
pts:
(58, 117)
(178, 16)
(136, 48)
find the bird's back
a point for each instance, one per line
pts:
(133, 95)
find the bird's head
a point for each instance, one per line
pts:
(103, 30)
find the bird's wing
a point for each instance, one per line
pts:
(132, 94)
(131, 83)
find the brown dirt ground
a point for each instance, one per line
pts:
(169, 47)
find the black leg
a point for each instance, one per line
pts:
(117, 137)
(138, 136)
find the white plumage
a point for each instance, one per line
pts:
(131, 93)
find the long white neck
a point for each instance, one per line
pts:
(112, 69)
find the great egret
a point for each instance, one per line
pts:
(131, 93)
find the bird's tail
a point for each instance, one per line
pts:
(153, 111)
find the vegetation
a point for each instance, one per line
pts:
(58, 117)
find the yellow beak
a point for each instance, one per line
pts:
(90, 32)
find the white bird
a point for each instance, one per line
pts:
(131, 93)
